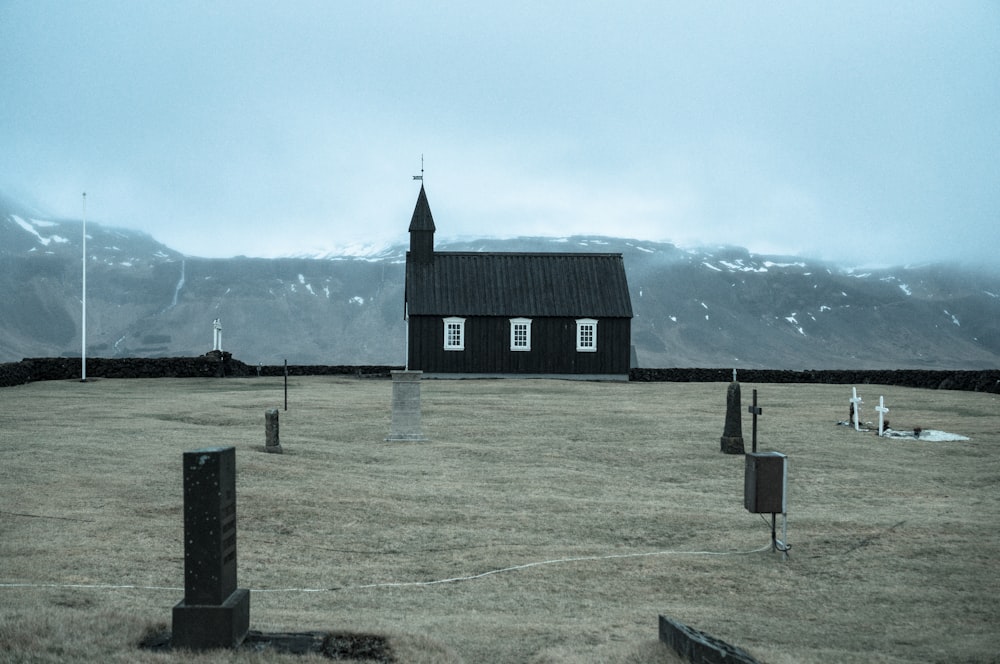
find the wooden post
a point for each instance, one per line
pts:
(755, 411)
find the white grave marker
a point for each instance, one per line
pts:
(856, 408)
(882, 410)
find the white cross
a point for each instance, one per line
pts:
(882, 410)
(856, 402)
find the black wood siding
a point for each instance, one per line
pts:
(487, 347)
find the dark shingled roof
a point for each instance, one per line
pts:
(519, 284)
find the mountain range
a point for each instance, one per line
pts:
(706, 307)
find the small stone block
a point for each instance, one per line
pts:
(698, 647)
(272, 441)
(201, 627)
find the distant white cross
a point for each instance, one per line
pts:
(882, 410)
(856, 410)
(734, 375)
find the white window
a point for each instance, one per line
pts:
(520, 334)
(454, 334)
(586, 335)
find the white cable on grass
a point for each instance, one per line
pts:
(543, 562)
(89, 586)
(402, 584)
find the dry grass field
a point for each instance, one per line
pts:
(559, 519)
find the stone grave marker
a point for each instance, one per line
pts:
(214, 612)
(732, 434)
(405, 423)
(272, 443)
(697, 646)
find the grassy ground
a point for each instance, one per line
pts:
(611, 501)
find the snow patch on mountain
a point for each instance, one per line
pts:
(783, 265)
(739, 266)
(31, 229)
(793, 320)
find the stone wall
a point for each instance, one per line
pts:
(361, 371)
(972, 381)
(216, 365)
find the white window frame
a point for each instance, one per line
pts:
(458, 326)
(515, 325)
(586, 335)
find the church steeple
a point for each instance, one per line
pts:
(422, 231)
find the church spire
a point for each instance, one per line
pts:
(422, 230)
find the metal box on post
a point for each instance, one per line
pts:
(765, 482)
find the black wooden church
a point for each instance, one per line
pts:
(562, 314)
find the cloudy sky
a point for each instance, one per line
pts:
(862, 132)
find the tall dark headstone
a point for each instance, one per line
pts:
(214, 612)
(732, 435)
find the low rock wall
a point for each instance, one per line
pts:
(217, 365)
(68, 368)
(971, 381)
(210, 365)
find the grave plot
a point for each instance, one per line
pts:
(884, 430)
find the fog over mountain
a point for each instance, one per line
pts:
(710, 307)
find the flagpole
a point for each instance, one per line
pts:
(406, 307)
(83, 324)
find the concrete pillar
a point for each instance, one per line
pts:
(405, 406)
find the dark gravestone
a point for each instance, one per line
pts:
(699, 647)
(732, 435)
(272, 443)
(214, 612)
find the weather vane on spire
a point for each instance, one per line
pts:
(421, 176)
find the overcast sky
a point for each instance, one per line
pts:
(867, 133)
